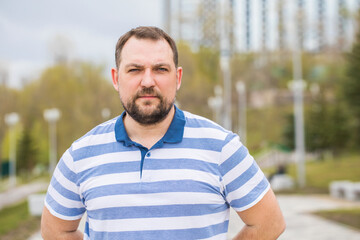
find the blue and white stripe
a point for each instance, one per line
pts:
(184, 191)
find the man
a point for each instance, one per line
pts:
(157, 172)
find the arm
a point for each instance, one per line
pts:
(56, 228)
(262, 221)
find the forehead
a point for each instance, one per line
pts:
(146, 51)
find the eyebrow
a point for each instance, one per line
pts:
(133, 65)
(153, 66)
(161, 65)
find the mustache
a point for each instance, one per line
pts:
(147, 91)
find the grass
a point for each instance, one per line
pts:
(320, 173)
(16, 222)
(350, 217)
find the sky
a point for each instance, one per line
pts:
(29, 30)
(89, 29)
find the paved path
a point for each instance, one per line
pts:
(15, 195)
(301, 225)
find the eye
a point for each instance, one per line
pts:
(162, 69)
(133, 70)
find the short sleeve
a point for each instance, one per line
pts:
(63, 198)
(243, 181)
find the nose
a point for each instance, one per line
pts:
(147, 79)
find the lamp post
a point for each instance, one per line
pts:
(11, 120)
(225, 61)
(51, 116)
(215, 103)
(297, 86)
(241, 90)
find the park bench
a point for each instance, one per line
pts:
(36, 204)
(345, 190)
(281, 182)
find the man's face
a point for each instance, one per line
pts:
(147, 79)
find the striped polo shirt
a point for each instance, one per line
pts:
(181, 188)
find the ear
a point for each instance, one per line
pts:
(179, 73)
(114, 75)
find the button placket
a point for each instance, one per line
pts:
(145, 175)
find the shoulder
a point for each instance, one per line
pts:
(101, 134)
(196, 121)
(205, 128)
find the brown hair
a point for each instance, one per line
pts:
(152, 33)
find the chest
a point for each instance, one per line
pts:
(164, 181)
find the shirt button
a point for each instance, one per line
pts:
(148, 154)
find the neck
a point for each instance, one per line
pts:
(147, 135)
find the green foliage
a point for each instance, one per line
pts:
(265, 127)
(339, 132)
(351, 88)
(208, 64)
(26, 153)
(248, 67)
(319, 174)
(5, 143)
(288, 132)
(39, 136)
(79, 91)
(326, 128)
(8, 103)
(200, 75)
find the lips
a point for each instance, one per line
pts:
(147, 97)
(147, 94)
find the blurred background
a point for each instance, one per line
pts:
(284, 75)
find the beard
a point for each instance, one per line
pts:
(144, 117)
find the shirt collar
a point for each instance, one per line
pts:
(174, 134)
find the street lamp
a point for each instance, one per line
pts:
(51, 116)
(215, 103)
(225, 61)
(241, 90)
(11, 120)
(105, 113)
(298, 85)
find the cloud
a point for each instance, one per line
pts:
(27, 29)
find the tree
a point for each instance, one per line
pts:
(201, 74)
(326, 128)
(8, 104)
(288, 132)
(79, 90)
(351, 88)
(26, 153)
(317, 130)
